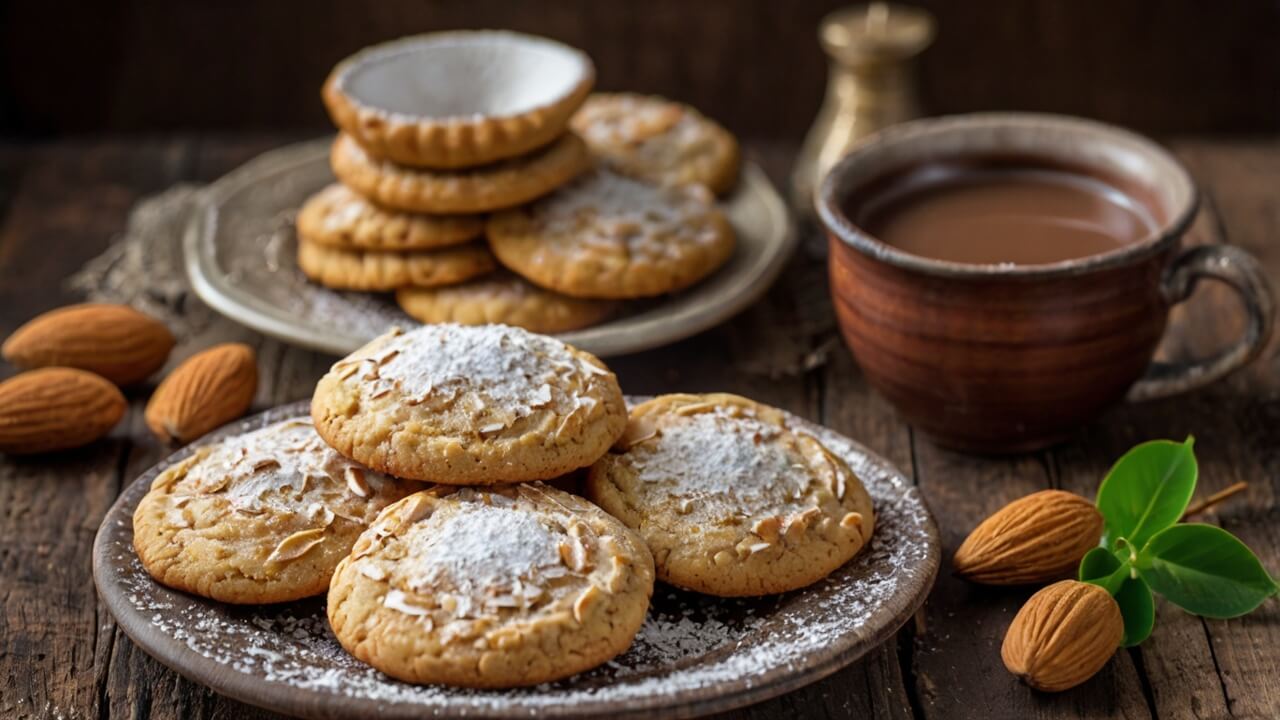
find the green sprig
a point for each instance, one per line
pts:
(1201, 568)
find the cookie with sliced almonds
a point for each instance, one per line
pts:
(260, 517)
(732, 497)
(491, 587)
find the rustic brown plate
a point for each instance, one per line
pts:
(694, 655)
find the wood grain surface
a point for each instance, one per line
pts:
(141, 65)
(62, 657)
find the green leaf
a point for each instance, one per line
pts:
(1100, 567)
(1147, 490)
(1138, 608)
(1205, 570)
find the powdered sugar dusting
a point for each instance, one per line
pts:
(502, 373)
(604, 207)
(689, 643)
(272, 468)
(482, 548)
(710, 457)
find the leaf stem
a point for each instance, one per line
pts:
(1215, 498)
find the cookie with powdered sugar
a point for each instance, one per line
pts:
(608, 236)
(504, 298)
(731, 496)
(338, 217)
(261, 517)
(493, 587)
(655, 139)
(470, 405)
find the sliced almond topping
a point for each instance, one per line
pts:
(695, 408)
(542, 396)
(574, 555)
(685, 507)
(373, 571)
(492, 427)
(321, 513)
(768, 528)
(722, 558)
(398, 600)
(638, 431)
(758, 547)
(418, 508)
(592, 369)
(349, 371)
(296, 545)
(381, 392)
(386, 356)
(851, 521)
(356, 482)
(583, 604)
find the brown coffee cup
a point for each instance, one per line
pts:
(1008, 358)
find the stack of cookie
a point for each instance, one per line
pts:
(451, 136)
(492, 577)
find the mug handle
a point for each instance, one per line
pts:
(1242, 272)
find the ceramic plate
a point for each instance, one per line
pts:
(240, 251)
(694, 655)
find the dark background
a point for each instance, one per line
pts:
(1176, 66)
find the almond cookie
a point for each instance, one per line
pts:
(609, 236)
(731, 497)
(458, 99)
(470, 405)
(502, 298)
(374, 270)
(658, 140)
(338, 217)
(491, 588)
(261, 517)
(503, 184)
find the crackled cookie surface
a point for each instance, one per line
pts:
(658, 140)
(375, 270)
(468, 190)
(502, 298)
(338, 217)
(470, 405)
(609, 236)
(259, 518)
(499, 587)
(730, 497)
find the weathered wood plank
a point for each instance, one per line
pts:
(69, 201)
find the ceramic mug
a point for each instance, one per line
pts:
(1007, 358)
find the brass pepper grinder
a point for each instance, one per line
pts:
(870, 85)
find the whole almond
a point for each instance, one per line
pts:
(208, 389)
(56, 408)
(114, 341)
(1063, 636)
(1034, 539)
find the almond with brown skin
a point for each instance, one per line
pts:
(114, 341)
(56, 408)
(208, 389)
(1063, 636)
(1038, 538)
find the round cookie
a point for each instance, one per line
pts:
(458, 99)
(491, 588)
(377, 271)
(470, 405)
(658, 140)
(262, 517)
(732, 498)
(338, 217)
(471, 190)
(502, 298)
(611, 237)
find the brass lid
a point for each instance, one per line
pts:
(876, 32)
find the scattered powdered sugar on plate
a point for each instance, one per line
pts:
(690, 647)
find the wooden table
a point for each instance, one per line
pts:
(61, 656)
